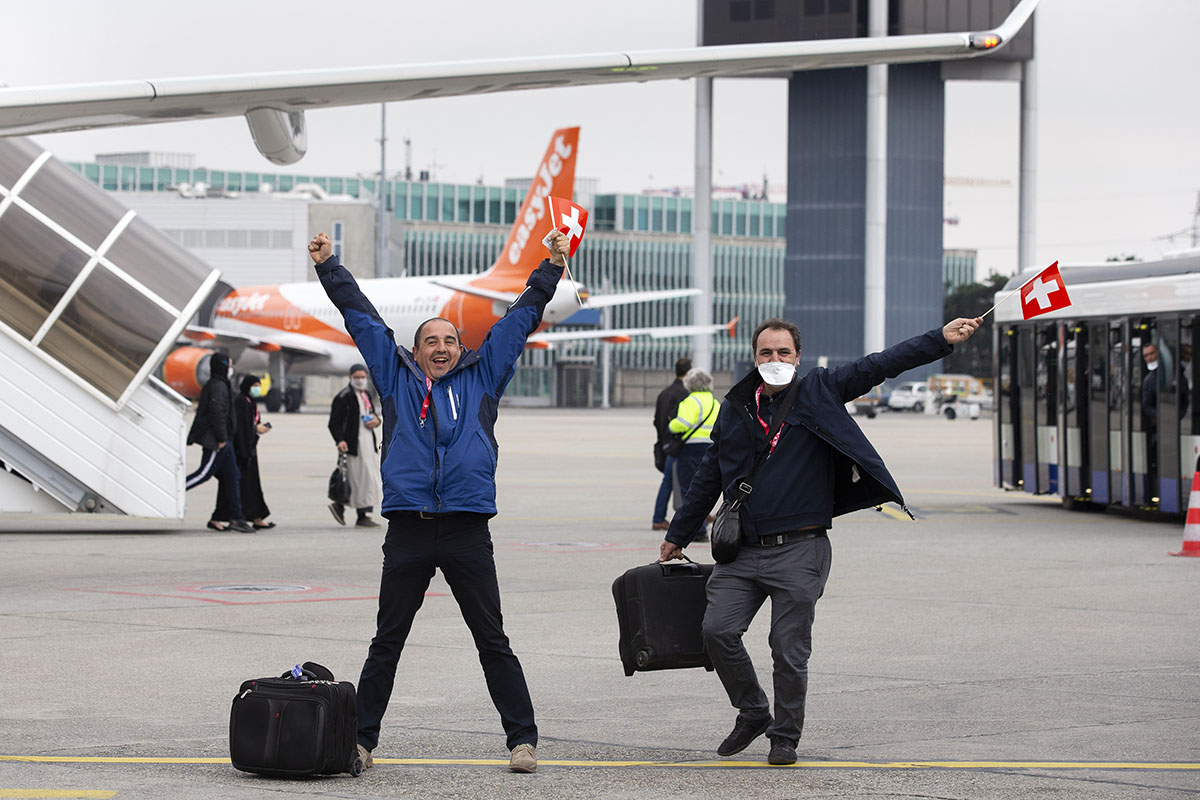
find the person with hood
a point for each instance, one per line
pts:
(439, 404)
(248, 428)
(212, 429)
(817, 465)
(352, 422)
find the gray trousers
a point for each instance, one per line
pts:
(793, 576)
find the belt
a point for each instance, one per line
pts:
(776, 539)
(424, 514)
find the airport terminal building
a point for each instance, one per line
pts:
(253, 227)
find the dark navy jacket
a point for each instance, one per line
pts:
(449, 463)
(860, 478)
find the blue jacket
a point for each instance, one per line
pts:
(860, 478)
(449, 462)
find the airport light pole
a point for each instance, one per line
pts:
(702, 348)
(1027, 202)
(381, 219)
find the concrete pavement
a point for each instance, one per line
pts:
(957, 656)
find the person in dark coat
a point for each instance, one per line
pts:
(248, 427)
(818, 465)
(353, 419)
(664, 412)
(212, 429)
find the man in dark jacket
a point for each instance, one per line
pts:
(664, 412)
(818, 466)
(212, 429)
(439, 484)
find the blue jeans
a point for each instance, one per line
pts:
(664, 491)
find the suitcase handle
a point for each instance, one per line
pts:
(689, 570)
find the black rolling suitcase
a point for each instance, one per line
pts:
(660, 608)
(302, 723)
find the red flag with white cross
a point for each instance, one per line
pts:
(1046, 292)
(568, 218)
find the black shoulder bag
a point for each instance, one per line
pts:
(726, 535)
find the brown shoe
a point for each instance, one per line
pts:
(660, 526)
(524, 759)
(365, 755)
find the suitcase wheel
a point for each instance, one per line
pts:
(641, 658)
(356, 766)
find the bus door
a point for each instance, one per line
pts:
(1046, 407)
(1076, 480)
(1170, 385)
(1008, 456)
(1189, 419)
(1118, 417)
(1143, 413)
(1097, 422)
(1027, 365)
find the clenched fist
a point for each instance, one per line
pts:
(320, 248)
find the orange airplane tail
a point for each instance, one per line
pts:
(523, 250)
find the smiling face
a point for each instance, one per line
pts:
(437, 349)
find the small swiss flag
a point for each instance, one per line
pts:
(568, 218)
(1045, 293)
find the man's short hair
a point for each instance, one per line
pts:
(421, 327)
(697, 380)
(682, 366)
(776, 324)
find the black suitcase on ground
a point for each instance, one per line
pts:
(660, 608)
(303, 723)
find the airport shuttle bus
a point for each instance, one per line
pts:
(1079, 412)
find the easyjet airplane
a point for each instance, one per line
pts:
(297, 321)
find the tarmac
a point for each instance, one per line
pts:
(998, 647)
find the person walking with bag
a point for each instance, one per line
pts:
(352, 423)
(664, 411)
(805, 464)
(248, 428)
(212, 429)
(693, 423)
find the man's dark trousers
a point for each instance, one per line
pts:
(461, 546)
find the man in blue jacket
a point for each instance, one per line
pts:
(818, 466)
(439, 484)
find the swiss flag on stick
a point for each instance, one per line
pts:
(568, 218)
(1046, 292)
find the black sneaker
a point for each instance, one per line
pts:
(338, 512)
(783, 752)
(744, 732)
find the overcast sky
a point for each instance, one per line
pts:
(1118, 122)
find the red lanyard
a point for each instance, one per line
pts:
(766, 428)
(425, 402)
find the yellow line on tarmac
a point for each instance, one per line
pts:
(72, 793)
(496, 762)
(894, 513)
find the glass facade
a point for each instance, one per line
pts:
(461, 203)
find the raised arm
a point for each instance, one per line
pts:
(505, 341)
(372, 336)
(856, 378)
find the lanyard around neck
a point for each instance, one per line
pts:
(766, 428)
(428, 397)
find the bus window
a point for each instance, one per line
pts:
(1118, 401)
(1006, 390)
(1075, 367)
(1027, 359)
(1098, 410)
(1046, 387)
(1165, 452)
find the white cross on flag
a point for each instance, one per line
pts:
(1045, 293)
(568, 218)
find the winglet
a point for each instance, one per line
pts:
(732, 327)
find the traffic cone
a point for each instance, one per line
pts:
(1191, 528)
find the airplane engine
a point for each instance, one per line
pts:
(186, 370)
(281, 136)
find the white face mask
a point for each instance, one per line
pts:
(230, 373)
(777, 373)
(1152, 365)
(359, 383)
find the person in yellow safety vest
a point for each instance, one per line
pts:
(694, 421)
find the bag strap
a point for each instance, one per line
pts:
(701, 418)
(746, 484)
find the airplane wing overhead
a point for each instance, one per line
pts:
(274, 102)
(624, 298)
(625, 334)
(500, 297)
(237, 342)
